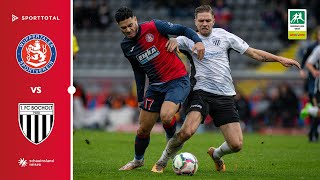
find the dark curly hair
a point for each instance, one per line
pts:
(123, 13)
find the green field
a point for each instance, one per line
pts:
(262, 157)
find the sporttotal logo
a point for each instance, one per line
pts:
(36, 53)
(14, 18)
(36, 121)
(297, 24)
(35, 18)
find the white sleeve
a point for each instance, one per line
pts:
(237, 43)
(314, 56)
(183, 43)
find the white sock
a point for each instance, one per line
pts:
(222, 150)
(138, 160)
(173, 146)
(313, 111)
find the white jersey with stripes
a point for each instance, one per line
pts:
(314, 59)
(213, 73)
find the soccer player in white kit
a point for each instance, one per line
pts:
(313, 59)
(213, 90)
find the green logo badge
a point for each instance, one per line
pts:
(297, 17)
(297, 24)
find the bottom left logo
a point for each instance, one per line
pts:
(36, 121)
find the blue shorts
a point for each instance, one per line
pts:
(175, 91)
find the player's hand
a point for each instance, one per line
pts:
(199, 46)
(315, 73)
(302, 74)
(172, 44)
(289, 62)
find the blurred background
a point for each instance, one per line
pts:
(269, 96)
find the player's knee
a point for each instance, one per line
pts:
(143, 131)
(185, 134)
(166, 117)
(236, 146)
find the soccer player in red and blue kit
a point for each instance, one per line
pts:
(145, 46)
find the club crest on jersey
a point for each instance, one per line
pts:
(149, 37)
(36, 121)
(36, 54)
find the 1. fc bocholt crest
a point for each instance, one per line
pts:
(36, 121)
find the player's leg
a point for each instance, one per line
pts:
(313, 133)
(175, 144)
(312, 110)
(226, 117)
(316, 133)
(233, 135)
(176, 92)
(146, 123)
(189, 127)
(148, 116)
(168, 119)
(316, 119)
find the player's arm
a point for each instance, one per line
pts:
(140, 81)
(306, 53)
(264, 56)
(177, 44)
(312, 59)
(167, 28)
(139, 76)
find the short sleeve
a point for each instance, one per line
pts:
(236, 42)
(314, 56)
(184, 43)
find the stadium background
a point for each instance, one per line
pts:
(269, 96)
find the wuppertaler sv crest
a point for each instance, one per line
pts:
(36, 121)
(36, 54)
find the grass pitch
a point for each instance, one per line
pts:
(99, 155)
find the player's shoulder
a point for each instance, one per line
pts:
(125, 42)
(148, 23)
(314, 46)
(219, 30)
(317, 49)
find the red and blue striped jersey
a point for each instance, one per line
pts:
(148, 55)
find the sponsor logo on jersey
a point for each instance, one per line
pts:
(149, 37)
(148, 55)
(36, 121)
(36, 54)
